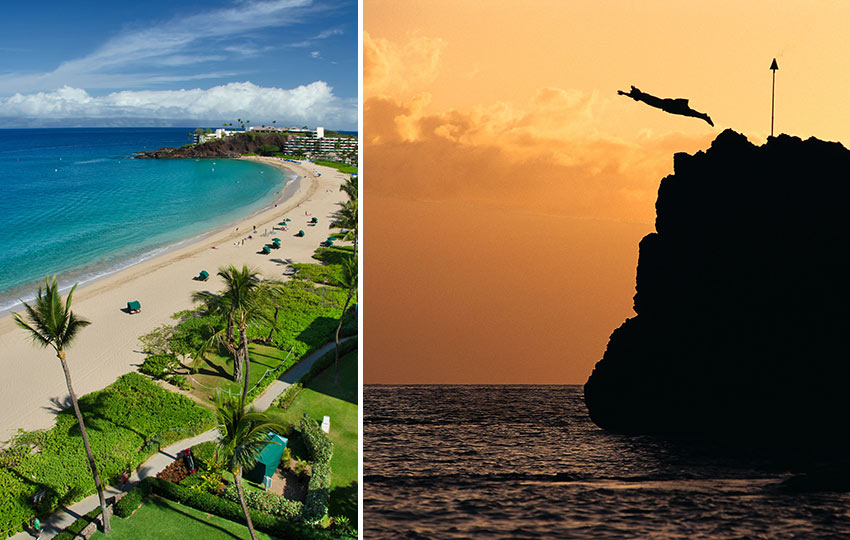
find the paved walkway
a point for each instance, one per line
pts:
(58, 521)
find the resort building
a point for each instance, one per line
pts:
(311, 144)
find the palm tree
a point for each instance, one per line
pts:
(238, 302)
(52, 324)
(349, 282)
(242, 436)
(350, 187)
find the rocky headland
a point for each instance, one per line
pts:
(229, 147)
(742, 330)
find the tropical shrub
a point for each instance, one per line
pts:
(158, 365)
(180, 381)
(319, 446)
(264, 501)
(318, 494)
(205, 455)
(132, 500)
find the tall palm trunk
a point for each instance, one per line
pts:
(232, 348)
(271, 332)
(338, 327)
(238, 476)
(105, 515)
(246, 371)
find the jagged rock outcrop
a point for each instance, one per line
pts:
(229, 147)
(743, 300)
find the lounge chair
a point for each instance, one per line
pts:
(290, 271)
(134, 306)
(204, 276)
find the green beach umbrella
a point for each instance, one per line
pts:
(266, 250)
(300, 233)
(275, 239)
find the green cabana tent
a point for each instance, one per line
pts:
(269, 459)
(204, 275)
(134, 306)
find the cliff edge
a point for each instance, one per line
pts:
(229, 147)
(742, 300)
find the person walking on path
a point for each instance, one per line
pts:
(35, 523)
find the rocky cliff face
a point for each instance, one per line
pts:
(230, 147)
(743, 299)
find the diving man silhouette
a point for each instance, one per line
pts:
(673, 106)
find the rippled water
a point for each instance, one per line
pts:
(445, 462)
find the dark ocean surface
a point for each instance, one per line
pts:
(511, 462)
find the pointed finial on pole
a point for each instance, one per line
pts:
(773, 67)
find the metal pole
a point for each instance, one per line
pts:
(773, 67)
(772, 98)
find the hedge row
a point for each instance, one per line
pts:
(207, 502)
(320, 449)
(132, 500)
(71, 531)
(264, 501)
(318, 494)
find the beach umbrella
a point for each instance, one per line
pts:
(266, 250)
(300, 233)
(275, 239)
(282, 223)
(204, 275)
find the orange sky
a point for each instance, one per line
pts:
(506, 185)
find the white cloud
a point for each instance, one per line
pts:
(128, 57)
(314, 54)
(313, 104)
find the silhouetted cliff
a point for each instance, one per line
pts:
(229, 147)
(743, 300)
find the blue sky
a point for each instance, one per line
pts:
(92, 62)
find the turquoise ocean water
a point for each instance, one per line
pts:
(74, 204)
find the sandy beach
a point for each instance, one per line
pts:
(33, 386)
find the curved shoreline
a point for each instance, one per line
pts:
(93, 272)
(163, 284)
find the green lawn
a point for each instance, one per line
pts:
(320, 398)
(217, 371)
(341, 167)
(166, 520)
